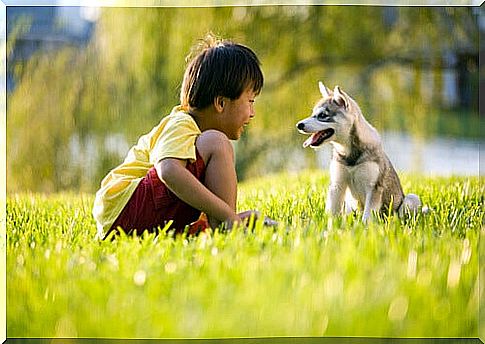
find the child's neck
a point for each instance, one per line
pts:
(206, 118)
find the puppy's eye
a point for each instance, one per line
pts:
(323, 115)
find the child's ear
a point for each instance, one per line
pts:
(219, 103)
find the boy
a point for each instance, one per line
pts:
(185, 166)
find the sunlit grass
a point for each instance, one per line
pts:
(415, 277)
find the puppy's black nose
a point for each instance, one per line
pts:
(300, 125)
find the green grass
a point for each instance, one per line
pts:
(308, 277)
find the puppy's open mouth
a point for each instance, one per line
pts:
(317, 139)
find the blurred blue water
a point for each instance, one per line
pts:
(438, 156)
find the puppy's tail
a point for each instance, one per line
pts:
(411, 205)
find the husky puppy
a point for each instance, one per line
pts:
(358, 163)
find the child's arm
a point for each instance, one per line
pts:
(190, 190)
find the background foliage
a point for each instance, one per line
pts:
(75, 112)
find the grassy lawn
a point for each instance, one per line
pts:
(416, 277)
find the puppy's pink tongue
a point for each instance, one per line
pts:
(313, 138)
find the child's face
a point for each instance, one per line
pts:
(237, 114)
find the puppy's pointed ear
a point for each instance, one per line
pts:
(323, 90)
(340, 98)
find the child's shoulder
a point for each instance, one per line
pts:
(178, 122)
(180, 117)
(178, 114)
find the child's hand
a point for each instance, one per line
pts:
(270, 222)
(246, 215)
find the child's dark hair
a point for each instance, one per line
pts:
(219, 68)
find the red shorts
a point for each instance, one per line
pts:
(152, 204)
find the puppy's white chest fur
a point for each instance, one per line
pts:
(359, 179)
